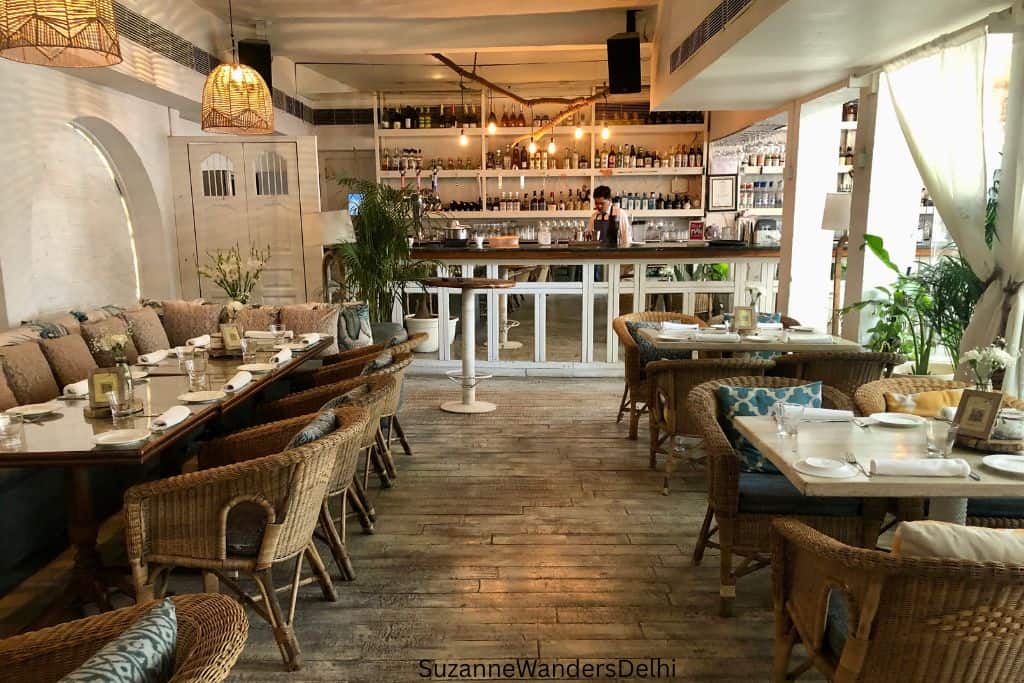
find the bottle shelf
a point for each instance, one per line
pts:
(683, 170)
(497, 215)
(767, 211)
(559, 131)
(763, 170)
(666, 213)
(425, 175)
(549, 173)
(843, 168)
(538, 173)
(453, 133)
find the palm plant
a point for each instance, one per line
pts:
(379, 263)
(955, 291)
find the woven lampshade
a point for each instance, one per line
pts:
(236, 100)
(75, 33)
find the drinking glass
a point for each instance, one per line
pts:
(278, 331)
(931, 440)
(950, 441)
(196, 375)
(248, 348)
(200, 359)
(183, 353)
(12, 431)
(120, 403)
(788, 417)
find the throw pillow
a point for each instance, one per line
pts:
(144, 653)
(762, 318)
(184, 320)
(930, 538)
(648, 352)
(45, 329)
(925, 403)
(758, 401)
(7, 398)
(148, 332)
(69, 358)
(321, 425)
(258, 317)
(354, 330)
(28, 374)
(94, 332)
(320, 319)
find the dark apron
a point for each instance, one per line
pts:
(607, 231)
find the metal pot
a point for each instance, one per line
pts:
(456, 232)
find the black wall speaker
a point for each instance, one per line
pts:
(256, 53)
(624, 63)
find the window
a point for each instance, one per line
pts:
(271, 174)
(218, 176)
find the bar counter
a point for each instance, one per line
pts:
(563, 253)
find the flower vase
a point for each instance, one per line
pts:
(121, 363)
(983, 385)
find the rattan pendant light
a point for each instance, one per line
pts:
(71, 33)
(236, 99)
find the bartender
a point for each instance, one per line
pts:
(609, 224)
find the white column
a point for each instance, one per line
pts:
(469, 378)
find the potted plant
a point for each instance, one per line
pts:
(238, 278)
(955, 291)
(379, 264)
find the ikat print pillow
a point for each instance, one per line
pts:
(142, 654)
(758, 401)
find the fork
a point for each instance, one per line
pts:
(852, 460)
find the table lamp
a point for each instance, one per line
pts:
(836, 218)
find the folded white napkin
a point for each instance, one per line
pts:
(946, 413)
(669, 326)
(171, 417)
(827, 415)
(769, 326)
(719, 337)
(264, 334)
(931, 467)
(201, 340)
(239, 380)
(153, 357)
(810, 338)
(309, 338)
(77, 388)
(282, 356)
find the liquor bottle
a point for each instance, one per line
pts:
(611, 158)
(691, 158)
(575, 160)
(504, 116)
(514, 161)
(520, 119)
(700, 157)
(517, 204)
(660, 203)
(604, 157)
(561, 201)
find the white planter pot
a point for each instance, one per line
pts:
(430, 327)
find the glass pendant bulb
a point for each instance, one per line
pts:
(551, 146)
(533, 147)
(605, 133)
(578, 133)
(492, 123)
(463, 140)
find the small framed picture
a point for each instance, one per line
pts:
(743, 318)
(721, 193)
(696, 231)
(977, 412)
(232, 337)
(102, 381)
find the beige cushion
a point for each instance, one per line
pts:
(28, 374)
(69, 358)
(258, 318)
(92, 332)
(322, 319)
(148, 333)
(925, 403)
(953, 541)
(7, 398)
(184, 320)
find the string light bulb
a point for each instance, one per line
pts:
(551, 146)
(532, 147)
(492, 124)
(605, 133)
(463, 140)
(578, 133)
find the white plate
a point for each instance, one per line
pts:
(1004, 462)
(758, 338)
(720, 326)
(843, 471)
(824, 464)
(138, 375)
(258, 368)
(294, 346)
(202, 396)
(35, 409)
(898, 419)
(121, 437)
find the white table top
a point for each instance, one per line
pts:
(793, 345)
(836, 439)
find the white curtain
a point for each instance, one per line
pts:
(939, 100)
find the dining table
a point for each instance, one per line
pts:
(857, 442)
(65, 439)
(717, 341)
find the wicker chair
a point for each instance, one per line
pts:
(212, 630)
(909, 618)
(870, 397)
(267, 439)
(350, 364)
(847, 371)
(379, 390)
(670, 382)
(635, 391)
(744, 532)
(184, 521)
(787, 322)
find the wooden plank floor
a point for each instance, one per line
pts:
(537, 531)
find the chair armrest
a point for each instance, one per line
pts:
(251, 443)
(357, 352)
(835, 399)
(724, 464)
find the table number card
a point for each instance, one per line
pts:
(232, 337)
(976, 414)
(743, 318)
(102, 381)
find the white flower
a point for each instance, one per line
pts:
(235, 306)
(973, 354)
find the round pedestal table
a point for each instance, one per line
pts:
(468, 378)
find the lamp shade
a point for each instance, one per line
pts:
(836, 216)
(236, 100)
(70, 33)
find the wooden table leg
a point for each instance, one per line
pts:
(83, 530)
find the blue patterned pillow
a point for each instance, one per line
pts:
(758, 401)
(762, 318)
(144, 653)
(354, 326)
(322, 425)
(647, 350)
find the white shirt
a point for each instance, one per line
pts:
(625, 227)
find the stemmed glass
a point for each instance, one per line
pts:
(278, 331)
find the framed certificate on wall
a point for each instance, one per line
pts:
(721, 193)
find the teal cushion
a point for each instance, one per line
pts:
(837, 623)
(1011, 508)
(354, 329)
(762, 318)
(144, 653)
(321, 425)
(772, 494)
(648, 352)
(758, 401)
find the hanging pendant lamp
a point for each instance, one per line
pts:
(236, 99)
(69, 33)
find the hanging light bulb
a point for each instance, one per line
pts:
(532, 147)
(551, 146)
(605, 133)
(71, 33)
(236, 98)
(578, 133)
(463, 140)
(492, 123)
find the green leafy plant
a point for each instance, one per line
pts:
(955, 290)
(377, 266)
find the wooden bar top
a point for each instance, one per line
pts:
(564, 253)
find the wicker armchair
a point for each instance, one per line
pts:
(909, 618)
(351, 364)
(267, 439)
(212, 630)
(847, 371)
(670, 382)
(787, 322)
(635, 391)
(185, 521)
(742, 528)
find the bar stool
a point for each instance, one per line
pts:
(468, 378)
